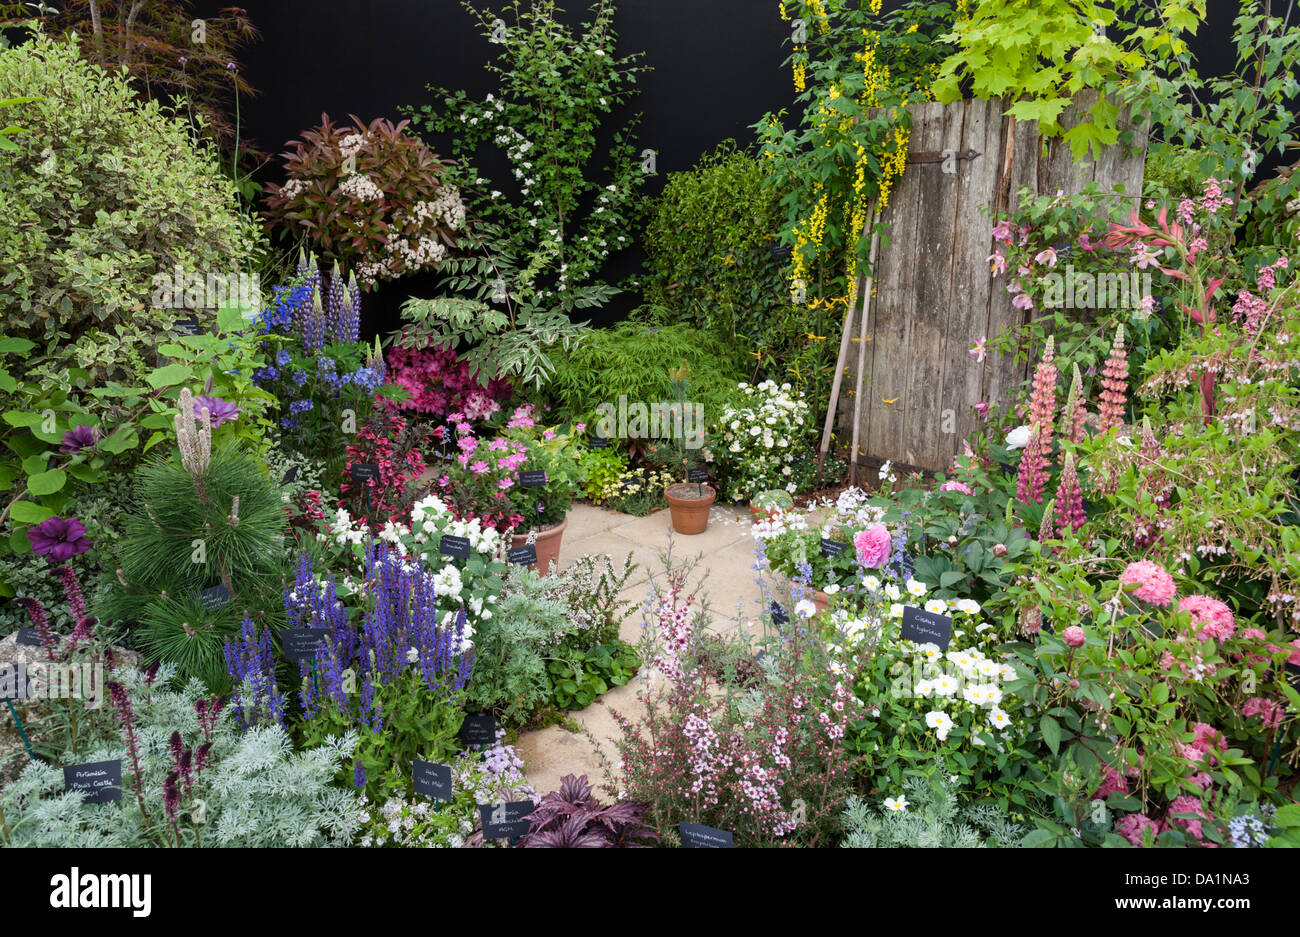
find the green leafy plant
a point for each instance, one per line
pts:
(600, 468)
(928, 815)
(577, 681)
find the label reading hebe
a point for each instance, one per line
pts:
(926, 627)
(457, 548)
(101, 780)
(523, 556)
(303, 643)
(833, 548)
(431, 780)
(505, 821)
(479, 729)
(695, 836)
(532, 479)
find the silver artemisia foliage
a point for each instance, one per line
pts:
(934, 819)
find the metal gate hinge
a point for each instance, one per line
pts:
(940, 156)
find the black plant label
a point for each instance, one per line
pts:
(29, 637)
(364, 471)
(303, 643)
(833, 548)
(290, 475)
(100, 780)
(1293, 674)
(505, 821)
(457, 548)
(695, 836)
(598, 442)
(532, 479)
(187, 327)
(925, 627)
(523, 556)
(431, 780)
(215, 597)
(478, 729)
(697, 475)
(778, 614)
(780, 251)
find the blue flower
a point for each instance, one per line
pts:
(282, 358)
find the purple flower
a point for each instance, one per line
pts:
(58, 539)
(79, 438)
(219, 411)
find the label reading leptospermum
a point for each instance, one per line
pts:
(303, 643)
(479, 729)
(523, 556)
(695, 836)
(457, 548)
(505, 821)
(214, 597)
(925, 627)
(100, 780)
(833, 548)
(697, 475)
(535, 478)
(29, 637)
(431, 780)
(364, 471)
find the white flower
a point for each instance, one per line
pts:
(896, 610)
(448, 582)
(896, 804)
(945, 685)
(928, 651)
(916, 587)
(872, 583)
(974, 693)
(939, 721)
(412, 656)
(924, 688)
(892, 592)
(831, 589)
(998, 719)
(992, 694)
(1018, 438)
(989, 668)
(806, 607)
(969, 606)
(936, 606)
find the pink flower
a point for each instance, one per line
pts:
(497, 444)
(1046, 256)
(1086, 243)
(506, 483)
(1269, 712)
(874, 546)
(1112, 782)
(1002, 231)
(1187, 804)
(1154, 585)
(1073, 636)
(1023, 301)
(982, 410)
(1133, 826)
(479, 467)
(978, 351)
(548, 435)
(1295, 655)
(954, 485)
(1214, 619)
(579, 427)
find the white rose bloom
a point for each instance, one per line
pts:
(1018, 438)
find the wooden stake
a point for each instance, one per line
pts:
(862, 347)
(840, 361)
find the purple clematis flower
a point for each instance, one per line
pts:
(79, 438)
(218, 410)
(58, 539)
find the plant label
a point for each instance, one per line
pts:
(457, 548)
(215, 597)
(778, 614)
(695, 836)
(505, 821)
(100, 780)
(29, 637)
(431, 780)
(780, 251)
(833, 548)
(532, 479)
(365, 471)
(1293, 674)
(289, 476)
(926, 627)
(479, 729)
(598, 442)
(303, 643)
(697, 476)
(523, 556)
(187, 327)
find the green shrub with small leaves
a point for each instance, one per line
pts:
(928, 815)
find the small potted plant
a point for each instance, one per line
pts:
(689, 501)
(767, 504)
(546, 485)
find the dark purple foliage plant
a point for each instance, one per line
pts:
(572, 818)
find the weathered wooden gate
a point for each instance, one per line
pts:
(934, 294)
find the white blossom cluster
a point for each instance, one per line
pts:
(360, 187)
(761, 437)
(293, 188)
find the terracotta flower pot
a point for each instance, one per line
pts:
(690, 510)
(548, 546)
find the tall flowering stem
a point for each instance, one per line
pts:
(36, 612)
(1031, 479)
(251, 661)
(1114, 394)
(1069, 499)
(126, 716)
(1074, 416)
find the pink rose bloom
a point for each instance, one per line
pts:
(955, 485)
(874, 546)
(1134, 825)
(1073, 636)
(1155, 586)
(1212, 617)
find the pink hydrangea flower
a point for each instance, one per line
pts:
(874, 546)
(1269, 712)
(1112, 782)
(1213, 618)
(1134, 825)
(1154, 585)
(1187, 804)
